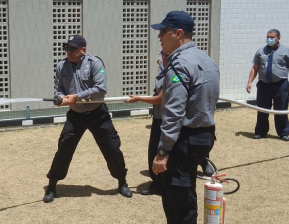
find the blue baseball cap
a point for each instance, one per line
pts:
(76, 41)
(176, 19)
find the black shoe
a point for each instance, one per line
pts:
(257, 137)
(285, 138)
(49, 196)
(151, 191)
(207, 169)
(125, 191)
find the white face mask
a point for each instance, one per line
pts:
(271, 41)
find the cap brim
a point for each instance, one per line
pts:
(71, 44)
(158, 26)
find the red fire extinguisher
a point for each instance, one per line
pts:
(214, 203)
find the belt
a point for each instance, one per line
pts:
(87, 112)
(279, 80)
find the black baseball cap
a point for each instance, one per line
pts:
(176, 19)
(76, 41)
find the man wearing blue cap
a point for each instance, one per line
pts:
(83, 77)
(190, 94)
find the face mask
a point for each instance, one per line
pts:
(271, 41)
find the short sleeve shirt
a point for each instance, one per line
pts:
(280, 63)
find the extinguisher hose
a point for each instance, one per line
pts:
(225, 179)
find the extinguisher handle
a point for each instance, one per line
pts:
(216, 177)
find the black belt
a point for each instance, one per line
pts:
(87, 112)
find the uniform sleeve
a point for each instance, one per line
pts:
(287, 58)
(256, 59)
(58, 84)
(99, 80)
(173, 107)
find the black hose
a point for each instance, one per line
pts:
(236, 189)
(217, 173)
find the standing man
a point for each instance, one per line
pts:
(271, 63)
(83, 77)
(155, 134)
(190, 94)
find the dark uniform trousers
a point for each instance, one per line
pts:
(179, 180)
(278, 92)
(98, 122)
(152, 151)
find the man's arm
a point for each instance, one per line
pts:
(99, 79)
(173, 107)
(150, 100)
(174, 110)
(58, 85)
(252, 76)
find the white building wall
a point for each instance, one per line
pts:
(243, 29)
(30, 50)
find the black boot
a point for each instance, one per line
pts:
(123, 189)
(153, 189)
(50, 193)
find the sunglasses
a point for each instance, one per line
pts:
(72, 49)
(163, 31)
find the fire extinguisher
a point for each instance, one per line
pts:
(214, 203)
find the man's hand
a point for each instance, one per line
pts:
(249, 87)
(132, 99)
(160, 164)
(69, 100)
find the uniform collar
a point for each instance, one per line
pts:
(273, 50)
(180, 49)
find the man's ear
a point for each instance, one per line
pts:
(84, 49)
(180, 33)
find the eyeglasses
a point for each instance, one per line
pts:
(163, 31)
(72, 49)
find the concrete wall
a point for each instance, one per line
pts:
(102, 28)
(158, 11)
(31, 56)
(243, 30)
(237, 29)
(214, 38)
(30, 40)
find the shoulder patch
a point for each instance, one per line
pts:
(101, 71)
(175, 78)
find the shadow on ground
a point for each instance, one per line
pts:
(251, 135)
(252, 163)
(81, 191)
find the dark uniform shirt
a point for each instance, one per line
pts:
(194, 108)
(87, 79)
(158, 88)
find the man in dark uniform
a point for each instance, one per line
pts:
(83, 77)
(271, 63)
(190, 94)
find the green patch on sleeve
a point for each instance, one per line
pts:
(175, 78)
